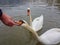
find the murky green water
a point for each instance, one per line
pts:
(19, 35)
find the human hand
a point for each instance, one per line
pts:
(7, 20)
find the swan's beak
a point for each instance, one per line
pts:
(24, 23)
(19, 23)
(28, 11)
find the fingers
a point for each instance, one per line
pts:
(11, 23)
(7, 20)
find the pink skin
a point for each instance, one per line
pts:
(7, 20)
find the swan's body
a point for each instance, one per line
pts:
(51, 36)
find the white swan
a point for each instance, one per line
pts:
(51, 36)
(37, 23)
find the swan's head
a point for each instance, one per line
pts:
(28, 11)
(22, 23)
(28, 8)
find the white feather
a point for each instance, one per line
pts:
(51, 36)
(37, 23)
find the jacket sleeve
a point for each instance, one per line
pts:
(1, 12)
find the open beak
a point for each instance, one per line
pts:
(19, 23)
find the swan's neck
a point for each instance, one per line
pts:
(30, 20)
(31, 30)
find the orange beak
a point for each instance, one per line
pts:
(28, 12)
(20, 22)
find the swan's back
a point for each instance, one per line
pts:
(51, 36)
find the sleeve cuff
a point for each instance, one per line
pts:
(1, 12)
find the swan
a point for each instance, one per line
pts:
(51, 36)
(37, 23)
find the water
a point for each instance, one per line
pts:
(19, 35)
